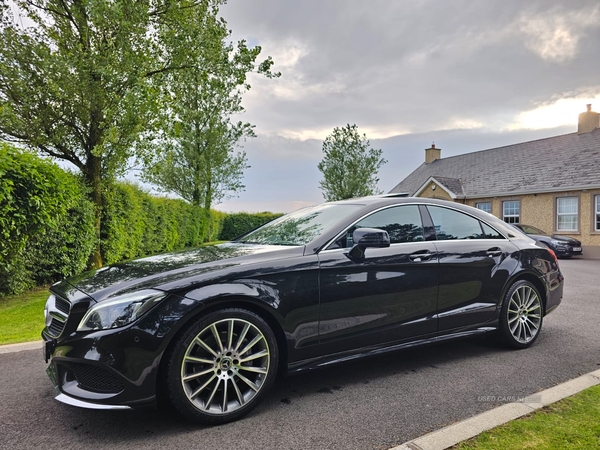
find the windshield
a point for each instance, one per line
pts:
(528, 229)
(299, 227)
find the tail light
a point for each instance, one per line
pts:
(553, 254)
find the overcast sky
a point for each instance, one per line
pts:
(469, 75)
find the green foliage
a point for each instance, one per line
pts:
(84, 83)
(46, 221)
(198, 160)
(349, 166)
(137, 224)
(236, 224)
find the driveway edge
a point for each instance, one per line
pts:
(13, 348)
(471, 427)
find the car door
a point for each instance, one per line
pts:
(387, 296)
(472, 272)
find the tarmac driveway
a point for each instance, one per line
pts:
(373, 404)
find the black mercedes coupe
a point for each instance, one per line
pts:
(209, 329)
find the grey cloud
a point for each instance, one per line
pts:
(393, 67)
(415, 64)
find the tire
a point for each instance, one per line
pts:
(222, 366)
(521, 316)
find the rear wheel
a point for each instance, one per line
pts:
(521, 315)
(222, 366)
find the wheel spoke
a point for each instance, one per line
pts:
(242, 336)
(527, 329)
(224, 407)
(513, 319)
(533, 323)
(193, 359)
(205, 345)
(212, 395)
(229, 334)
(237, 392)
(532, 299)
(253, 386)
(215, 333)
(517, 332)
(255, 356)
(252, 343)
(198, 374)
(254, 369)
(518, 300)
(201, 388)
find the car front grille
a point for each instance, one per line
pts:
(58, 309)
(96, 379)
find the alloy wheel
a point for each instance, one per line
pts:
(524, 314)
(225, 366)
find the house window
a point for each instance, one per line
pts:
(511, 211)
(567, 214)
(597, 211)
(485, 206)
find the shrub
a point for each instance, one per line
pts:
(236, 224)
(137, 224)
(39, 202)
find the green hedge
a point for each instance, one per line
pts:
(136, 224)
(46, 221)
(236, 224)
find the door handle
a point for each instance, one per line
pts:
(494, 251)
(420, 256)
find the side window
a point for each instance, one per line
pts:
(451, 224)
(403, 224)
(490, 233)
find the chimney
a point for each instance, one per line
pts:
(431, 154)
(588, 121)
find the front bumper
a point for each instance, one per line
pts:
(68, 400)
(98, 372)
(116, 368)
(568, 251)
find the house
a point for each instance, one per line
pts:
(552, 184)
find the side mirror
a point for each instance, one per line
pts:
(364, 238)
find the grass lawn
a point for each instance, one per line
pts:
(573, 423)
(22, 316)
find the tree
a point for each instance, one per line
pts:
(198, 161)
(82, 84)
(349, 166)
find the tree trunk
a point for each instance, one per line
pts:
(93, 174)
(207, 204)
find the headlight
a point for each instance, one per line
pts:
(558, 243)
(120, 311)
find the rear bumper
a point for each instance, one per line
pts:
(554, 292)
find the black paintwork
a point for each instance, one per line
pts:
(324, 305)
(565, 250)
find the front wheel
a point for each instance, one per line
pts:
(521, 315)
(222, 366)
